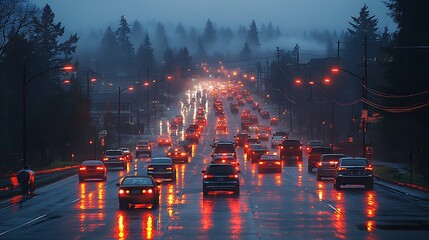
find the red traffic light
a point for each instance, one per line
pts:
(298, 81)
(327, 80)
(68, 68)
(146, 84)
(335, 69)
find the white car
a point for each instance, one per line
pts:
(276, 141)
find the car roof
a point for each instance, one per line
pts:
(92, 162)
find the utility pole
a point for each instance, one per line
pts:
(280, 82)
(338, 51)
(147, 100)
(364, 106)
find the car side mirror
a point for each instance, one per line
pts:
(117, 184)
(203, 171)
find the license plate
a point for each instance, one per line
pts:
(135, 191)
(220, 179)
(291, 147)
(269, 164)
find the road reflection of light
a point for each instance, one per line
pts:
(82, 222)
(100, 195)
(320, 195)
(300, 181)
(149, 227)
(182, 172)
(339, 196)
(371, 205)
(193, 149)
(339, 221)
(160, 127)
(206, 206)
(170, 198)
(370, 225)
(121, 226)
(300, 167)
(278, 179)
(82, 195)
(260, 176)
(235, 210)
(135, 167)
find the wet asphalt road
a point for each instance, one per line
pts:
(287, 205)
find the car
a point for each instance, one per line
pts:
(270, 162)
(291, 149)
(137, 190)
(164, 140)
(276, 141)
(178, 154)
(127, 153)
(265, 114)
(240, 102)
(255, 106)
(245, 125)
(253, 119)
(225, 158)
(240, 138)
(143, 147)
(314, 156)
(219, 111)
(161, 167)
(178, 119)
(249, 100)
(263, 135)
(92, 169)
(221, 177)
(173, 127)
(314, 143)
(186, 145)
(201, 120)
(224, 147)
(244, 116)
(192, 135)
(255, 151)
(250, 140)
(234, 108)
(245, 93)
(353, 170)
(327, 164)
(274, 121)
(115, 158)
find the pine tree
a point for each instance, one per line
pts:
(209, 36)
(145, 55)
(126, 49)
(160, 39)
(252, 35)
(201, 54)
(245, 52)
(109, 52)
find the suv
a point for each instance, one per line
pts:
(327, 164)
(240, 138)
(143, 147)
(224, 147)
(291, 148)
(353, 170)
(315, 154)
(115, 158)
(255, 151)
(221, 177)
(281, 133)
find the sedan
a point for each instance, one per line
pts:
(353, 170)
(128, 154)
(162, 167)
(164, 140)
(269, 162)
(177, 154)
(276, 141)
(115, 158)
(138, 190)
(92, 169)
(327, 164)
(221, 177)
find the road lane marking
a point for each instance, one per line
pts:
(333, 208)
(75, 200)
(31, 221)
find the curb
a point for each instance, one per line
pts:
(408, 185)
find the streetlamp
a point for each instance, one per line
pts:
(364, 106)
(169, 78)
(90, 80)
(119, 112)
(146, 84)
(67, 68)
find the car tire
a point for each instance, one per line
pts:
(319, 177)
(104, 179)
(123, 205)
(155, 204)
(81, 179)
(337, 185)
(205, 192)
(237, 191)
(309, 169)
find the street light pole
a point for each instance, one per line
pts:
(88, 79)
(119, 112)
(146, 84)
(24, 105)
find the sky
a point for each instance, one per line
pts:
(289, 15)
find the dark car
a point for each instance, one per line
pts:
(241, 138)
(290, 149)
(327, 165)
(178, 154)
(115, 158)
(225, 158)
(137, 190)
(250, 140)
(92, 169)
(270, 162)
(255, 151)
(265, 114)
(162, 167)
(234, 108)
(127, 154)
(192, 135)
(314, 156)
(245, 125)
(224, 147)
(274, 121)
(314, 143)
(221, 177)
(186, 145)
(353, 170)
(143, 147)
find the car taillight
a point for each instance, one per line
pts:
(169, 153)
(281, 147)
(122, 191)
(333, 162)
(223, 160)
(319, 163)
(369, 168)
(308, 149)
(147, 191)
(267, 152)
(182, 154)
(137, 148)
(121, 158)
(169, 168)
(105, 159)
(246, 146)
(300, 147)
(233, 176)
(233, 162)
(150, 168)
(261, 163)
(100, 168)
(148, 147)
(278, 163)
(341, 169)
(207, 176)
(82, 168)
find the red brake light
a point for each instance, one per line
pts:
(150, 168)
(281, 147)
(182, 154)
(105, 159)
(300, 147)
(341, 169)
(261, 163)
(233, 176)
(369, 168)
(206, 176)
(169, 168)
(320, 164)
(150, 191)
(278, 163)
(82, 168)
(100, 168)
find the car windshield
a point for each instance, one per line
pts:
(353, 162)
(130, 181)
(113, 152)
(160, 160)
(220, 169)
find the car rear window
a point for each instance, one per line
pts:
(143, 143)
(160, 160)
(353, 162)
(242, 135)
(331, 158)
(291, 143)
(113, 152)
(137, 181)
(92, 163)
(216, 169)
(321, 150)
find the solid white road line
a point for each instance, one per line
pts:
(44, 215)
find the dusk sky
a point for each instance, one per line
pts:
(289, 15)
